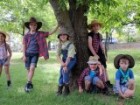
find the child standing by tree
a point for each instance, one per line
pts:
(5, 56)
(68, 61)
(93, 75)
(34, 46)
(124, 76)
(95, 45)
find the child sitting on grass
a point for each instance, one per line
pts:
(92, 76)
(124, 79)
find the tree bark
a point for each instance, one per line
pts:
(74, 21)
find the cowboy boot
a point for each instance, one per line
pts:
(66, 90)
(109, 84)
(59, 92)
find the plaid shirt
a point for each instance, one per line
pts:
(85, 73)
(41, 39)
(96, 40)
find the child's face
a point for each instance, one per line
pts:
(2, 38)
(33, 26)
(63, 37)
(124, 63)
(93, 66)
(96, 27)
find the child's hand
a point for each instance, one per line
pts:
(24, 58)
(80, 90)
(65, 69)
(63, 64)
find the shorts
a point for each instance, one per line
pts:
(93, 80)
(31, 60)
(122, 87)
(4, 62)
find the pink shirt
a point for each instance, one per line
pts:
(3, 52)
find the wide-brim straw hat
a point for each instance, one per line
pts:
(93, 23)
(62, 34)
(93, 60)
(125, 56)
(5, 35)
(33, 20)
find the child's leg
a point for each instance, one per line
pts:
(129, 93)
(60, 86)
(131, 84)
(87, 83)
(66, 75)
(0, 69)
(98, 82)
(33, 63)
(7, 72)
(31, 73)
(131, 89)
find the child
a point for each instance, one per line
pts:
(5, 57)
(95, 45)
(34, 46)
(124, 76)
(91, 76)
(68, 61)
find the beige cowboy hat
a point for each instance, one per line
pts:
(33, 20)
(93, 23)
(126, 56)
(5, 35)
(62, 31)
(93, 60)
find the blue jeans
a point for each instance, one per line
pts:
(65, 76)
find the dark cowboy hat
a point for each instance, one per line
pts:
(63, 34)
(93, 23)
(125, 56)
(33, 20)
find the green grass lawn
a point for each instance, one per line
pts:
(45, 84)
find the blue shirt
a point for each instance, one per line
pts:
(33, 46)
(119, 75)
(92, 73)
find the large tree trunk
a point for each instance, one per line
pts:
(74, 22)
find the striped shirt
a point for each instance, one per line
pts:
(96, 40)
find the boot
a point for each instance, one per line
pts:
(59, 92)
(66, 89)
(105, 91)
(109, 84)
(8, 83)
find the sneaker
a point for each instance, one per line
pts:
(28, 87)
(9, 83)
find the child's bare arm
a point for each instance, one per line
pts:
(54, 30)
(9, 51)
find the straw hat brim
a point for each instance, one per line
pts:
(62, 34)
(39, 25)
(92, 62)
(6, 35)
(95, 23)
(129, 57)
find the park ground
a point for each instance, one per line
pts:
(45, 84)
